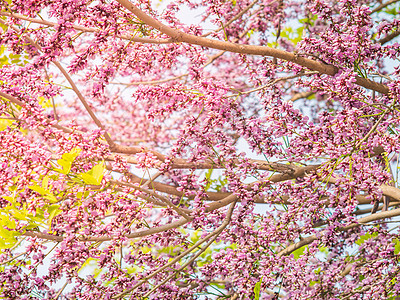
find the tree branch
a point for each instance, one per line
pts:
(389, 37)
(235, 18)
(87, 29)
(179, 37)
(73, 86)
(383, 5)
(361, 221)
(212, 235)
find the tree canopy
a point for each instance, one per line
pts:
(199, 149)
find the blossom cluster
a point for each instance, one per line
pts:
(253, 155)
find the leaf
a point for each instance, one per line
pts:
(38, 189)
(209, 181)
(391, 11)
(257, 289)
(94, 176)
(5, 221)
(81, 195)
(98, 172)
(366, 237)
(7, 243)
(74, 153)
(88, 262)
(88, 179)
(313, 282)
(66, 166)
(9, 199)
(20, 214)
(4, 123)
(53, 211)
(67, 159)
(7, 237)
(51, 198)
(299, 252)
(45, 182)
(396, 246)
(4, 61)
(44, 190)
(324, 250)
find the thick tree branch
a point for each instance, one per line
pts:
(389, 37)
(383, 5)
(301, 95)
(179, 37)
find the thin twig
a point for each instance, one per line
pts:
(137, 234)
(61, 290)
(87, 29)
(235, 18)
(373, 127)
(361, 221)
(73, 85)
(162, 198)
(13, 258)
(301, 95)
(274, 82)
(175, 260)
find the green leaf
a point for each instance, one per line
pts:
(38, 189)
(7, 243)
(74, 153)
(66, 166)
(313, 282)
(4, 123)
(392, 11)
(299, 252)
(324, 250)
(81, 195)
(44, 190)
(98, 172)
(20, 214)
(4, 61)
(45, 182)
(67, 159)
(95, 175)
(31, 226)
(9, 199)
(209, 181)
(5, 221)
(7, 236)
(366, 237)
(53, 211)
(88, 179)
(90, 261)
(51, 198)
(257, 289)
(396, 246)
